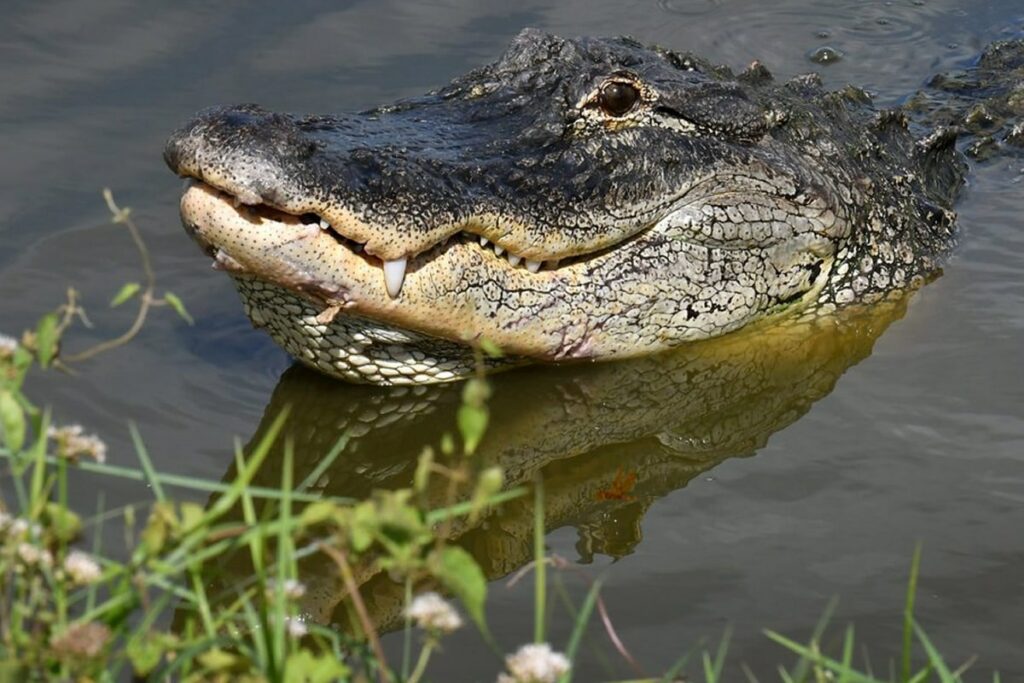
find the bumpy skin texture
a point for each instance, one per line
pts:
(712, 202)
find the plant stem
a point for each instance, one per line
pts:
(421, 663)
(338, 555)
(540, 599)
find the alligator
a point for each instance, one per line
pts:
(580, 199)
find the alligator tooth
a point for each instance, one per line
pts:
(498, 251)
(513, 259)
(394, 276)
(484, 241)
(324, 225)
(532, 266)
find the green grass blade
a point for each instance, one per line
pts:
(713, 669)
(459, 509)
(147, 463)
(908, 613)
(324, 464)
(258, 630)
(848, 649)
(934, 658)
(249, 516)
(540, 601)
(833, 665)
(804, 665)
(284, 552)
(208, 486)
(580, 627)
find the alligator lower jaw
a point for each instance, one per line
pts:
(297, 254)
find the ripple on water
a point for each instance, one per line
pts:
(879, 41)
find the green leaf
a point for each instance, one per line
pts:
(423, 467)
(146, 650)
(319, 512)
(64, 523)
(305, 667)
(191, 515)
(127, 291)
(460, 573)
(490, 348)
(174, 302)
(12, 417)
(476, 392)
(160, 524)
(363, 527)
(216, 660)
(472, 422)
(472, 415)
(47, 337)
(489, 483)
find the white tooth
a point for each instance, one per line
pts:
(532, 266)
(324, 225)
(484, 241)
(552, 264)
(499, 250)
(394, 276)
(513, 259)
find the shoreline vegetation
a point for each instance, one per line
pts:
(73, 610)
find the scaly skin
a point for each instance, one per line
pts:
(711, 202)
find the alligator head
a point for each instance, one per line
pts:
(576, 199)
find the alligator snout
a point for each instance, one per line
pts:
(243, 150)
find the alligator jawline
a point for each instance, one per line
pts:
(503, 254)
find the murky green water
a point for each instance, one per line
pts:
(865, 442)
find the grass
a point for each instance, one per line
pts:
(148, 610)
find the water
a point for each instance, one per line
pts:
(865, 443)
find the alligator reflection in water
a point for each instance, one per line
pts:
(608, 439)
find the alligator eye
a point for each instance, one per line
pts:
(617, 98)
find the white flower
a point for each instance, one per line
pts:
(73, 442)
(535, 663)
(293, 589)
(431, 612)
(296, 627)
(31, 555)
(8, 345)
(82, 568)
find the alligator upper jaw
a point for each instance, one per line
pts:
(402, 182)
(447, 291)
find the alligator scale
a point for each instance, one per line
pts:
(579, 199)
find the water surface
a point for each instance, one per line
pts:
(865, 442)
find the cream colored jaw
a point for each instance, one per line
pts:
(393, 270)
(309, 261)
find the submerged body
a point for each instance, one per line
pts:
(577, 199)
